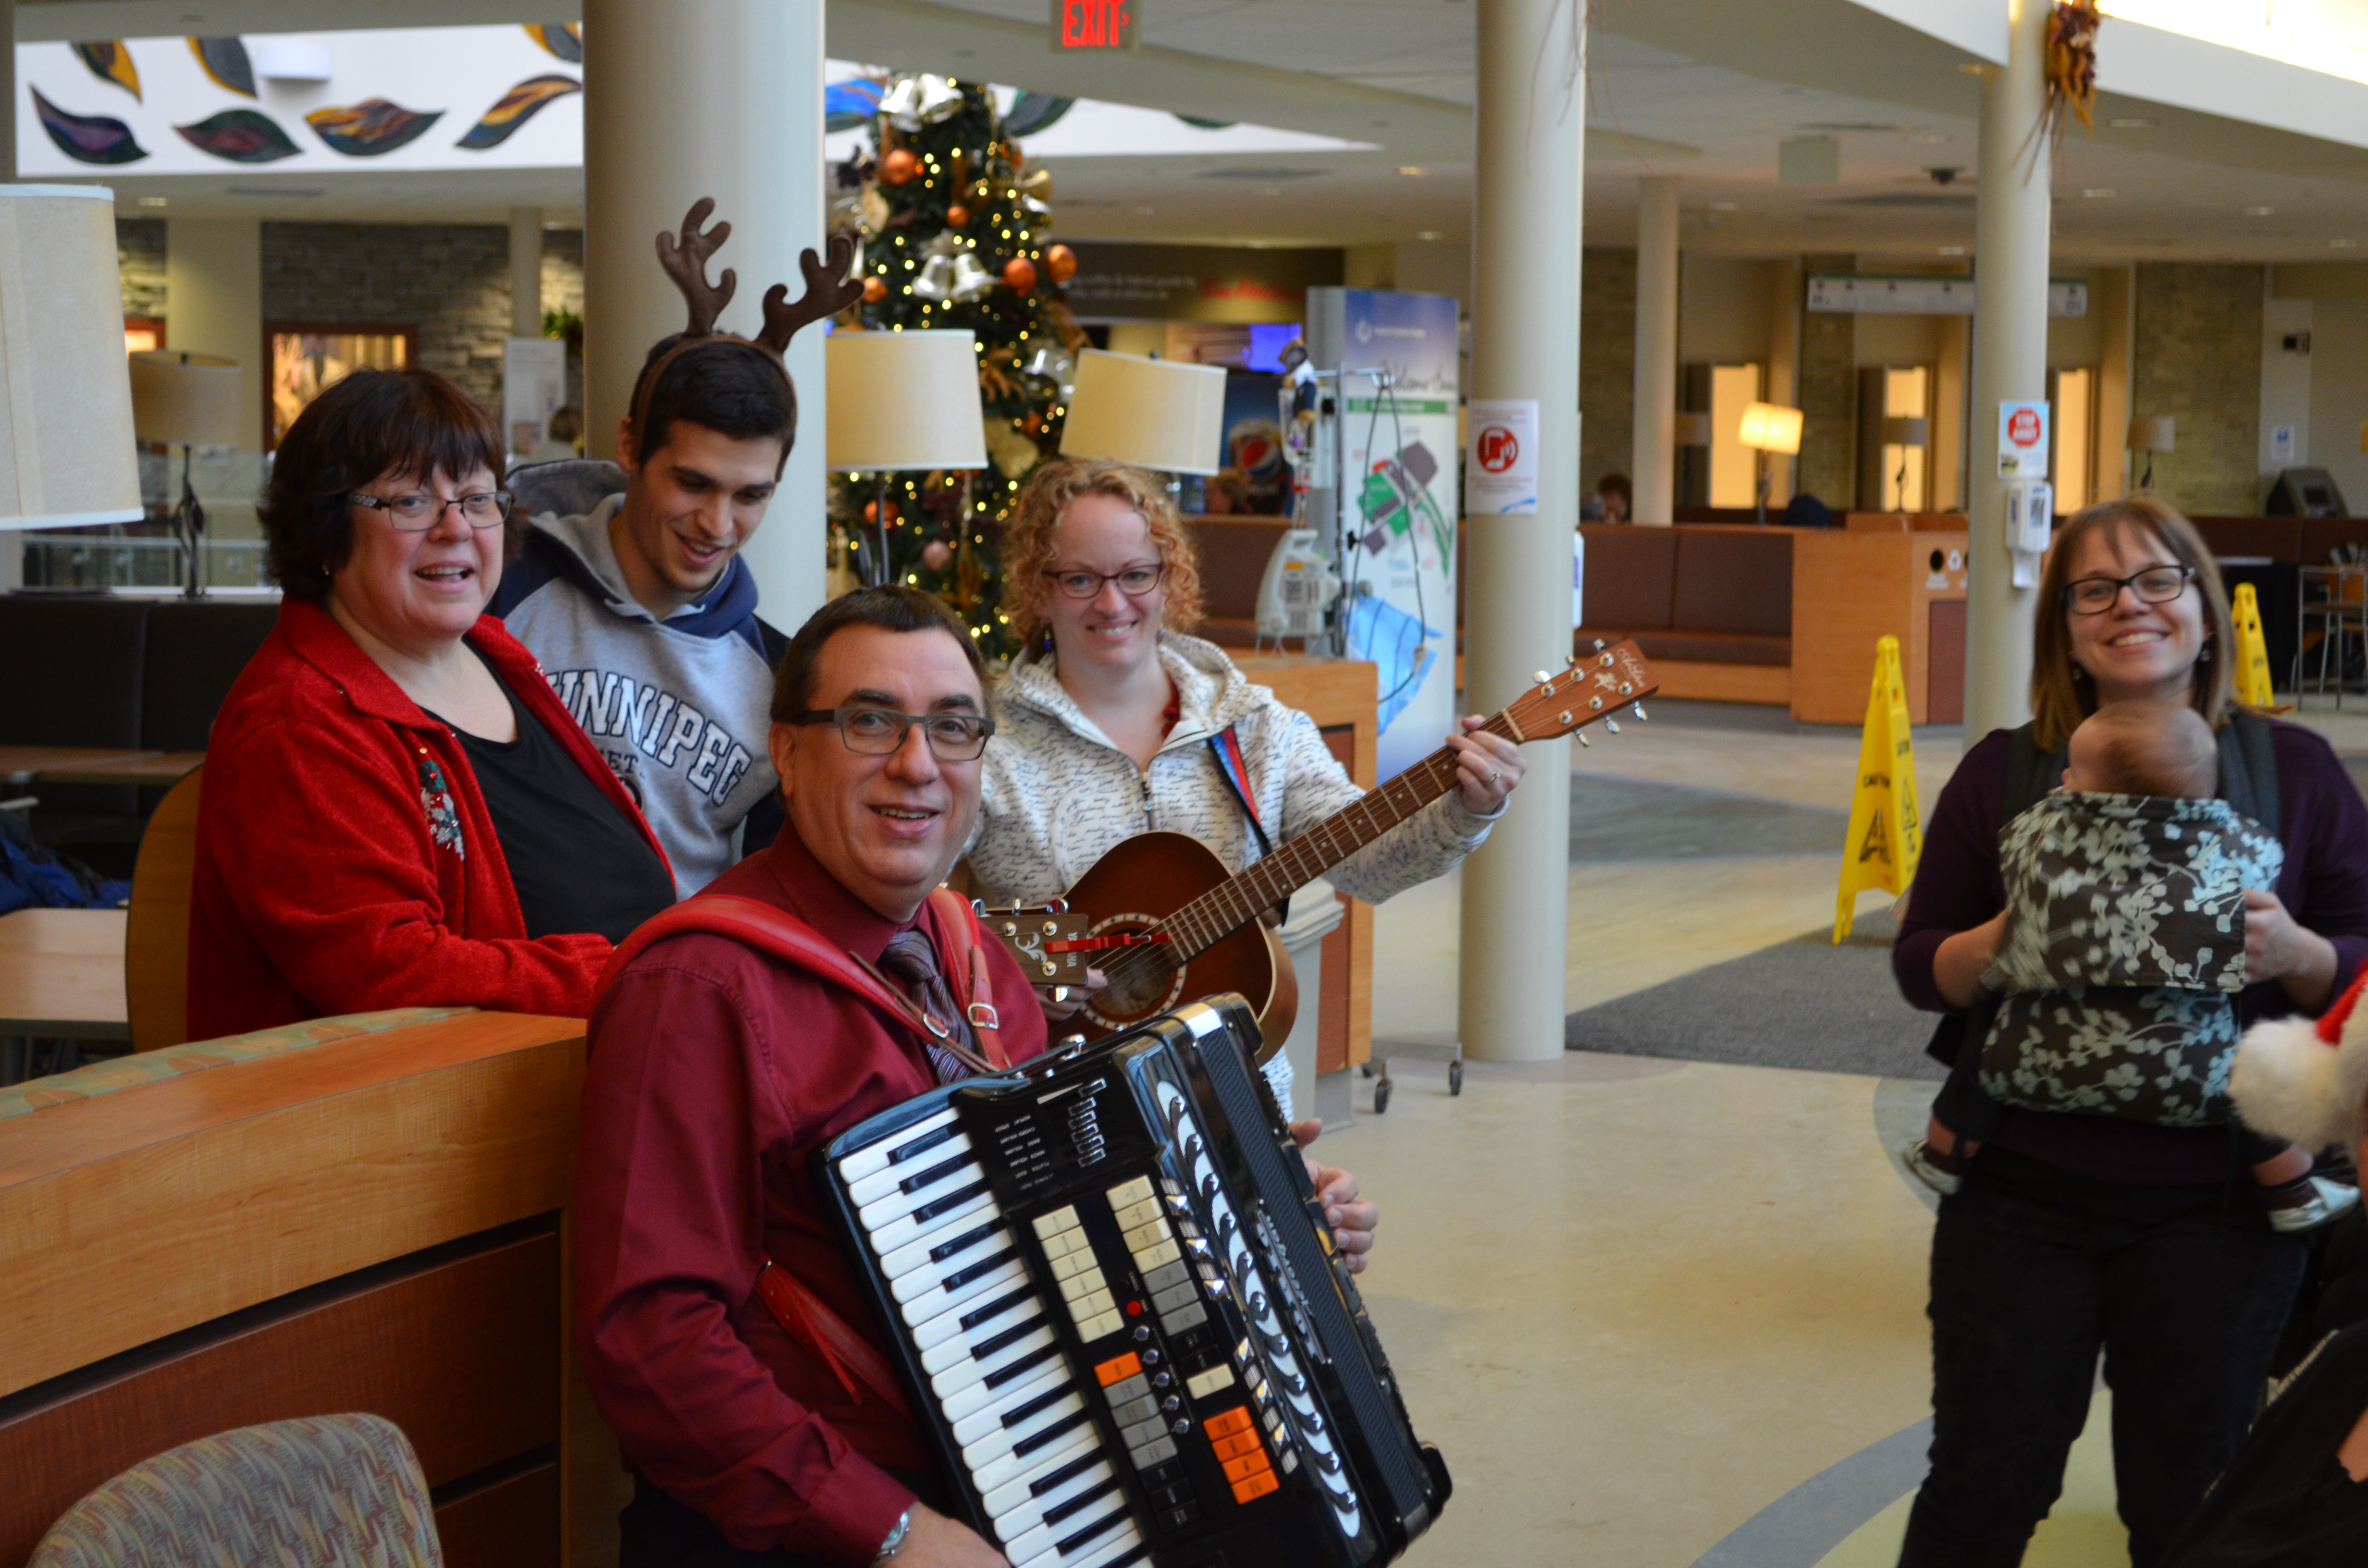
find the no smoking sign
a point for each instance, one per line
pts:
(1497, 449)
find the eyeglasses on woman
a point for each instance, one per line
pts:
(2155, 585)
(418, 512)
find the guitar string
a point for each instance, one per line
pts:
(1199, 925)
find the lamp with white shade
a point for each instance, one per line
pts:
(900, 400)
(1157, 414)
(1768, 427)
(185, 401)
(2158, 433)
(67, 456)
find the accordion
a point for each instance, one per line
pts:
(1114, 1299)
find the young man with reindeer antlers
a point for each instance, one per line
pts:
(640, 609)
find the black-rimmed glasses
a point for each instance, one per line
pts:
(418, 512)
(1135, 580)
(881, 732)
(2155, 585)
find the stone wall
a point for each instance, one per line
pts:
(140, 258)
(1827, 466)
(2197, 354)
(563, 290)
(450, 281)
(1607, 363)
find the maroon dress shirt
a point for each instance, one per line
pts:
(716, 1074)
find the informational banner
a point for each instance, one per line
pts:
(534, 384)
(1396, 539)
(1500, 467)
(2022, 440)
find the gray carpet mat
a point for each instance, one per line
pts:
(1615, 820)
(1803, 1003)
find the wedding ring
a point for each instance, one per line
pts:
(1494, 773)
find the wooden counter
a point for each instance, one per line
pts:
(1852, 587)
(1340, 696)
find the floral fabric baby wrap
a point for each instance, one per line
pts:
(2123, 955)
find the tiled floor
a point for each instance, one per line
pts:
(1660, 1314)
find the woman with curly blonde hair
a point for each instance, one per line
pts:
(1109, 716)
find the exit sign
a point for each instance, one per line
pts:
(1095, 24)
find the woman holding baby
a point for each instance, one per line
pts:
(2101, 1196)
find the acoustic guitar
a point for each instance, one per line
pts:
(1164, 920)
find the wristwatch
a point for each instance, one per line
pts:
(894, 1542)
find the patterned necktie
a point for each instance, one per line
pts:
(912, 960)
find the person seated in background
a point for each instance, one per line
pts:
(563, 437)
(397, 811)
(1615, 502)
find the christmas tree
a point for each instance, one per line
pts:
(952, 223)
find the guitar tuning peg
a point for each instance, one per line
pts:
(1599, 645)
(1541, 678)
(1582, 738)
(1640, 711)
(1613, 725)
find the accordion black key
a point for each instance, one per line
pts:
(1117, 1309)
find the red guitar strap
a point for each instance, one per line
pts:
(776, 933)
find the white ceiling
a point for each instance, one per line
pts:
(1701, 89)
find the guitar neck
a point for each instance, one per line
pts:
(1235, 901)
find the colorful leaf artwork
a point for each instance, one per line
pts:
(110, 60)
(241, 135)
(847, 105)
(517, 105)
(224, 61)
(559, 38)
(370, 129)
(87, 139)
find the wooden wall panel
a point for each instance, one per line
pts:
(1849, 589)
(136, 1215)
(512, 1524)
(463, 1353)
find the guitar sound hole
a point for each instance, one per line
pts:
(1141, 980)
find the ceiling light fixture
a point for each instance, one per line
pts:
(1428, 234)
(1722, 206)
(153, 201)
(1952, 250)
(2130, 122)
(2260, 211)
(2100, 192)
(2341, 245)
(1415, 170)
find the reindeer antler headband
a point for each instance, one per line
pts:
(685, 260)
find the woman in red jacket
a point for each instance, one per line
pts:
(398, 812)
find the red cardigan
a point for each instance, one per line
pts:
(345, 861)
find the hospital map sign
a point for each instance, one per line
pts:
(1095, 24)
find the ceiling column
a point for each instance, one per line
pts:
(1525, 258)
(720, 98)
(1653, 467)
(2011, 235)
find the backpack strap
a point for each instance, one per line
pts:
(2031, 773)
(2249, 769)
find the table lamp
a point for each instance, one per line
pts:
(67, 456)
(1905, 431)
(899, 400)
(1770, 427)
(185, 401)
(1148, 413)
(2159, 434)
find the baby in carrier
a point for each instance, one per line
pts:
(2113, 991)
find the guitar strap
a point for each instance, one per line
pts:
(776, 933)
(1226, 745)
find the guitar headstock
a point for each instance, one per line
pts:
(1594, 686)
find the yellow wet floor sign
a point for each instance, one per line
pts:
(1886, 832)
(2253, 685)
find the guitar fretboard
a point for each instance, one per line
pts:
(1235, 901)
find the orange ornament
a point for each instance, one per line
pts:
(875, 289)
(1033, 423)
(898, 166)
(1019, 275)
(1061, 261)
(958, 215)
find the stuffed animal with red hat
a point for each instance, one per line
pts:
(2307, 1081)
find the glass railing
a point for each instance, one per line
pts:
(83, 561)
